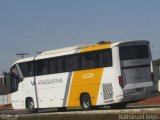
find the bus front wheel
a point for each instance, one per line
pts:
(30, 106)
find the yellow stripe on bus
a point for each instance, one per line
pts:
(96, 47)
(85, 81)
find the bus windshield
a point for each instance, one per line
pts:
(134, 52)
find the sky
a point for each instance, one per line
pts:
(31, 26)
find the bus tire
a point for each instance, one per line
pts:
(85, 102)
(118, 106)
(30, 106)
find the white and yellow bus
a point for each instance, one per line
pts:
(89, 76)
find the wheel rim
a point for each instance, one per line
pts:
(31, 105)
(86, 102)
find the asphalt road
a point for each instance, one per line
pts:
(103, 110)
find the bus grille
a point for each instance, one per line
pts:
(107, 91)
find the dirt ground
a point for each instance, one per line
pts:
(5, 107)
(150, 101)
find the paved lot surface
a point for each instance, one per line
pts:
(103, 110)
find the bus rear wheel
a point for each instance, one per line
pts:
(86, 102)
(30, 106)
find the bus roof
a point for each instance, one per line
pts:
(58, 52)
(74, 49)
(51, 52)
(64, 49)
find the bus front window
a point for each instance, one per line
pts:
(14, 79)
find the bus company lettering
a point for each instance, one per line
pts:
(50, 81)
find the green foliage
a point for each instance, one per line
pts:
(5, 73)
(156, 62)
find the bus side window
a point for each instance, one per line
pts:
(87, 60)
(72, 63)
(105, 58)
(68, 62)
(60, 65)
(53, 66)
(27, 69)
(42, 67)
